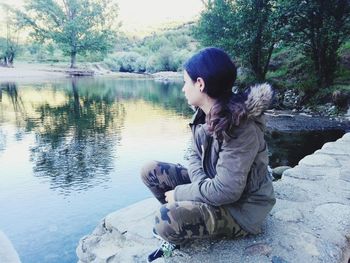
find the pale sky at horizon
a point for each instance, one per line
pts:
(153, 13)
(140, 16)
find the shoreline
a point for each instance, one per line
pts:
(281, 120)
(34, 72)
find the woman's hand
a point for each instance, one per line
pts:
(169, 197)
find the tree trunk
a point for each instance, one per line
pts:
(8, 62)
(73, 58)
(11, 58)
(259, 58)
(325, 61)
(256, 62)
(267, 62)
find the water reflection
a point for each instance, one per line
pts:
(288, 148)
(78, 126)
(2, 141)
(76, 141)
(10, 90)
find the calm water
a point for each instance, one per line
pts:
(71, 151)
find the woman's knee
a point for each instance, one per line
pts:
(147, 172)
(167, 225)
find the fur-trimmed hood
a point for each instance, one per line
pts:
(259, 98)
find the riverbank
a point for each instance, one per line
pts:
(33, 72)
(26, 72)
(289, 121)
(309, 222)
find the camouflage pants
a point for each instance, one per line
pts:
(182, 221)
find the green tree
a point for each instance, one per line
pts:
(9, 44)
(77, 26)
(8, 50)
(247, 29)
(320, 27)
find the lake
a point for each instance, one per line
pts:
(71, 152)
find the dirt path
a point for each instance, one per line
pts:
(31, 72)
(28, 72)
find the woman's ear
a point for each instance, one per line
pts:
(201, 84)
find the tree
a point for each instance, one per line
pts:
(247, 29)
(77, 26)
(216, 25)
(320, 27)
(8, 50)
(9, 45)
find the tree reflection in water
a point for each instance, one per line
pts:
(76, 141)
(10, 90)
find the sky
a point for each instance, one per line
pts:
(141, 16)
(144, 14)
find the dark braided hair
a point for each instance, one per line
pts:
(219, 73)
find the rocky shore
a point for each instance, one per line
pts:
(309, 223)
(300, 121)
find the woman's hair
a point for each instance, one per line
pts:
(219, 73)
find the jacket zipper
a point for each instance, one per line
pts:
(206, 168)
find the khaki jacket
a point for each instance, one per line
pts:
(233, 173)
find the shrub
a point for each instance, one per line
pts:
(126, 62)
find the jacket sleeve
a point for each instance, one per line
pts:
(195, 169)
(234, 163)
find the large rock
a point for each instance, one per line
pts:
(123, 236)
(309, 223)
(8, 253)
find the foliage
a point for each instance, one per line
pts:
(8, 50)
(76, 26)
(126, 62)
(345, 48)
(216, 25)
(248, 30)
(319, 28)
(42, 52)
(9, 46)
(290, 69)
(163, 51)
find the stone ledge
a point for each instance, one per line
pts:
(8, 253)
(309, 223)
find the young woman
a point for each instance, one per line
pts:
(226, 189)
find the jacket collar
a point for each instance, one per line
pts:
(198, 117)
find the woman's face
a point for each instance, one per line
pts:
(192, 90)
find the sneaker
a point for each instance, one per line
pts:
(155, 234)
(165, 250)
